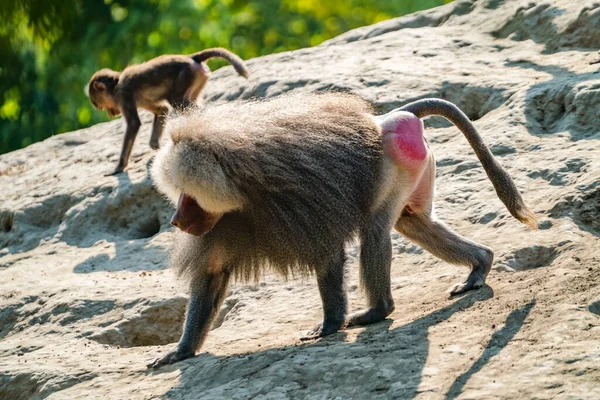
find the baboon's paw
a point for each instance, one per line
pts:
(170, 358)
(469, 284)
(321, 330)
(369, 316)
(475, 280)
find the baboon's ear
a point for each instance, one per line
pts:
(99, 86)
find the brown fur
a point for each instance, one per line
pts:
(165, 81)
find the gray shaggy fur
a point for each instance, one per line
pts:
(295, 178)
(306, 176)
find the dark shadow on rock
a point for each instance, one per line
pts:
(531, 257)
(145, 323)
(405, 348)
(24, 229)
(594, 308)
(127, 258)
(474, 100)
(582, 207)
(12, 314)
(129, 217)
(128, 212)
(568, 102)
(408, 347)
(498, 341)
(536, 22)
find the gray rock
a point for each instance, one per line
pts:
(87, 299)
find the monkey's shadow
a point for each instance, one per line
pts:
(387, 362)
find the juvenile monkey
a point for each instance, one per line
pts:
(285, 183)
(174, 80)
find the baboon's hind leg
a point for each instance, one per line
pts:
(375, 264)
(438, 239)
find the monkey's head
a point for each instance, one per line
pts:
(101, 91)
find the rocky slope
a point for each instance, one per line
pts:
(87, 299)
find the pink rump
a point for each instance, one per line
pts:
(403, 139)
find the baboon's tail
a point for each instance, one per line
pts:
(505, 187)
(220, 52)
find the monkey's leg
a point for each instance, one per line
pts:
(438, 239)
(157, 127)
(133, 126)
(202, 75)
(330, 279)
(375, 263)
(185, 80)
(208, 292)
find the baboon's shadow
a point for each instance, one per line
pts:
(386, 362)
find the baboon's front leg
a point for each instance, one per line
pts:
(330, 278)
(208, 292)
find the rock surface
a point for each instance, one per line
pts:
(87, 298)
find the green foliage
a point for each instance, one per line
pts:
(50, 48)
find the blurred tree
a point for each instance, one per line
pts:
(50, 48)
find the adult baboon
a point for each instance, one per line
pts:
(286, 183)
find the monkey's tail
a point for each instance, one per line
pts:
(225, 54)
(505, 187)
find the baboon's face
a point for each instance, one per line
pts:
(193, 219)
